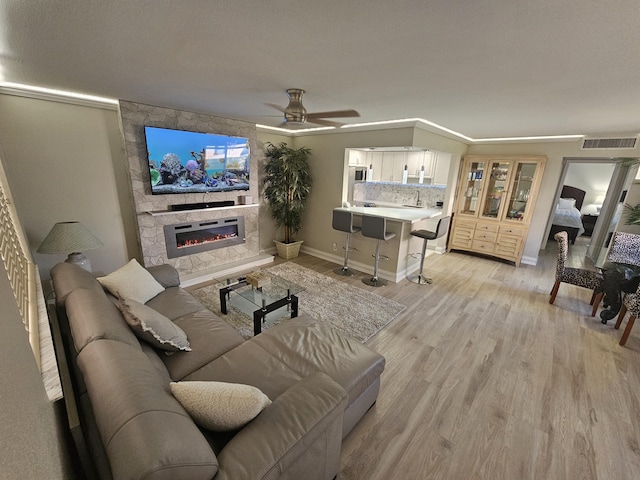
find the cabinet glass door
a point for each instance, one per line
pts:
(473, 187)
(496, 189)
(522, 183)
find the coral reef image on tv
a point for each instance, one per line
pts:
(190, 162)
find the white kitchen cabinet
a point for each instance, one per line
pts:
(399, 162)
(441, 168)
(357, 158)
(414, 163)
(375, 161)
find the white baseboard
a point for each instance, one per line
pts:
(366, 268)
(224, 270)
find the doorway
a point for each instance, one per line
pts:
(602, 206)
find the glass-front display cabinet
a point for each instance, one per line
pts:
(494, 205)
(496, 189)
(472, 181)
(518, 205)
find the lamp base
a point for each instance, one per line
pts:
(80, 260)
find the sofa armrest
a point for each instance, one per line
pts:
(298, 436)
(166, 275)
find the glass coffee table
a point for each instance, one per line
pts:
(258, 294)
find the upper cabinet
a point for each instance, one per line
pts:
(388, 166)
(494, 205)
(357, 158)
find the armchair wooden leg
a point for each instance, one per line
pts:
(627, 330)
(623, 312)
(554, 291)
(596, 303)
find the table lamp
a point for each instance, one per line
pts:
(70, 238)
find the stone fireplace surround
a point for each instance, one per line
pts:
(153, 212)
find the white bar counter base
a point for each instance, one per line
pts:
(401, 221)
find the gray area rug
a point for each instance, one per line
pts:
(353, 311)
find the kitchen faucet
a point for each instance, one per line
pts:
(418, 202)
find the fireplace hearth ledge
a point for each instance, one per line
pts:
(225, 270)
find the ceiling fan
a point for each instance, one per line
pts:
(295, 114)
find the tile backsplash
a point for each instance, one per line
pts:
(398, 193)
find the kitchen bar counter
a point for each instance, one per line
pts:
(399, 250)
(399, 214)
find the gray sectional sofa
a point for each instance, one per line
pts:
(132, 427)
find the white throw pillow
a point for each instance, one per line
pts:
(220, 406)
(565, 203)
(153, 327)
(132, 281)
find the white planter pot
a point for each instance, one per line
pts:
(288, 250)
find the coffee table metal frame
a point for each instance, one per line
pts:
(259, 314)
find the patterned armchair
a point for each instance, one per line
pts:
(575, 276)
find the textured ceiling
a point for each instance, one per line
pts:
(493, 68)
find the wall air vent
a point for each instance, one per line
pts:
(607, 143)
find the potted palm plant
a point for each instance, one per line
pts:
(287, 184)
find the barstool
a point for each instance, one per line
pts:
(441, 230)
(343, 221)
(376, 227)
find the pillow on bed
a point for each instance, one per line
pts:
(565, 203)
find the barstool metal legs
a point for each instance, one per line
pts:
(345, 271)
(375, 281)
(418, 277)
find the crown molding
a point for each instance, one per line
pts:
(58, 96)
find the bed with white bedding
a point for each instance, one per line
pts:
(567, 215)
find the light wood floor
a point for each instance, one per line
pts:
(486, 380)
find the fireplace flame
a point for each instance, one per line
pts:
(204, 239)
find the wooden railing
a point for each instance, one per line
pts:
(22, 271)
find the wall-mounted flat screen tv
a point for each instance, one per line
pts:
(191, 162)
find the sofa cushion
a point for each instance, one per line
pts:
(68, 277)
(136, 412)
(153, 327)
(220, 406)
(209, 337)
(93, 316)
(174, 302)
(306, 345)
(292, 350)
(165, 274)
(132, 281)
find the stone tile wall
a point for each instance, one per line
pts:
(398, 193)
(134, 117)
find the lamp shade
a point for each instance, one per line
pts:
(69, 237)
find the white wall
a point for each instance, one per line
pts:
(66, 162)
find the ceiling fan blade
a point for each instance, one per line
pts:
(326, 123)
(333, 114)
(277, 107)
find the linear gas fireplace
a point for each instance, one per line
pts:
(196, 237)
